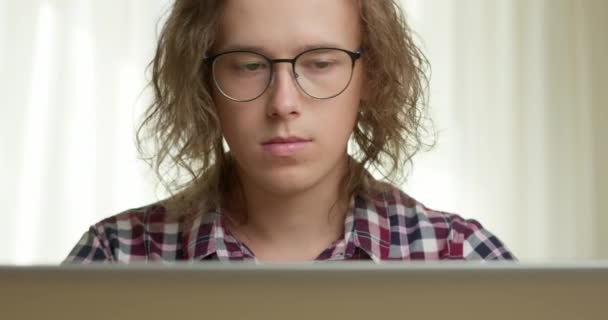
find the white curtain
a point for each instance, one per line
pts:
(73, 72)
(520, 106)
(516, 96)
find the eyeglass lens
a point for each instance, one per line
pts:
(320, 73)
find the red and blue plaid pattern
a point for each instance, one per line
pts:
(392, 226)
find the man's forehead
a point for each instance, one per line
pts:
(272, 26)
(269, 50)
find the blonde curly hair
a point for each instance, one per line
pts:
(184, 128)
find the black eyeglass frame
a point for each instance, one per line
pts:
(354, 56)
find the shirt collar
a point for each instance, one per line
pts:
(367, 227)
(205, 237)
(371, 227)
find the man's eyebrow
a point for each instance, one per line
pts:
(266, 51)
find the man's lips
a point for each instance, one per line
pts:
(291, 139)
(285, 146)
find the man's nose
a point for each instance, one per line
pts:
(284, 92)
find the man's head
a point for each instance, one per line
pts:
(203, 95)
(281, 29)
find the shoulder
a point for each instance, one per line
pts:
(137, 234)
(145, 217)
(418, 232)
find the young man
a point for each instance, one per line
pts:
(286, 85)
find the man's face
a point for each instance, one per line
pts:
(281, 29)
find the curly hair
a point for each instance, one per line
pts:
(184, 127)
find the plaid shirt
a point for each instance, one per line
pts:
(392, 226)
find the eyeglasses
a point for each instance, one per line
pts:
(321, 73)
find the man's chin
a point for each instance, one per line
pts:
(290, 184)
(290, 188)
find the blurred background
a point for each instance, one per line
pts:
(518, 96)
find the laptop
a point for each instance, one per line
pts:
(307, 291)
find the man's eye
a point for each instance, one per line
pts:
(322, 64)
(319, 65)
(252, 66)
